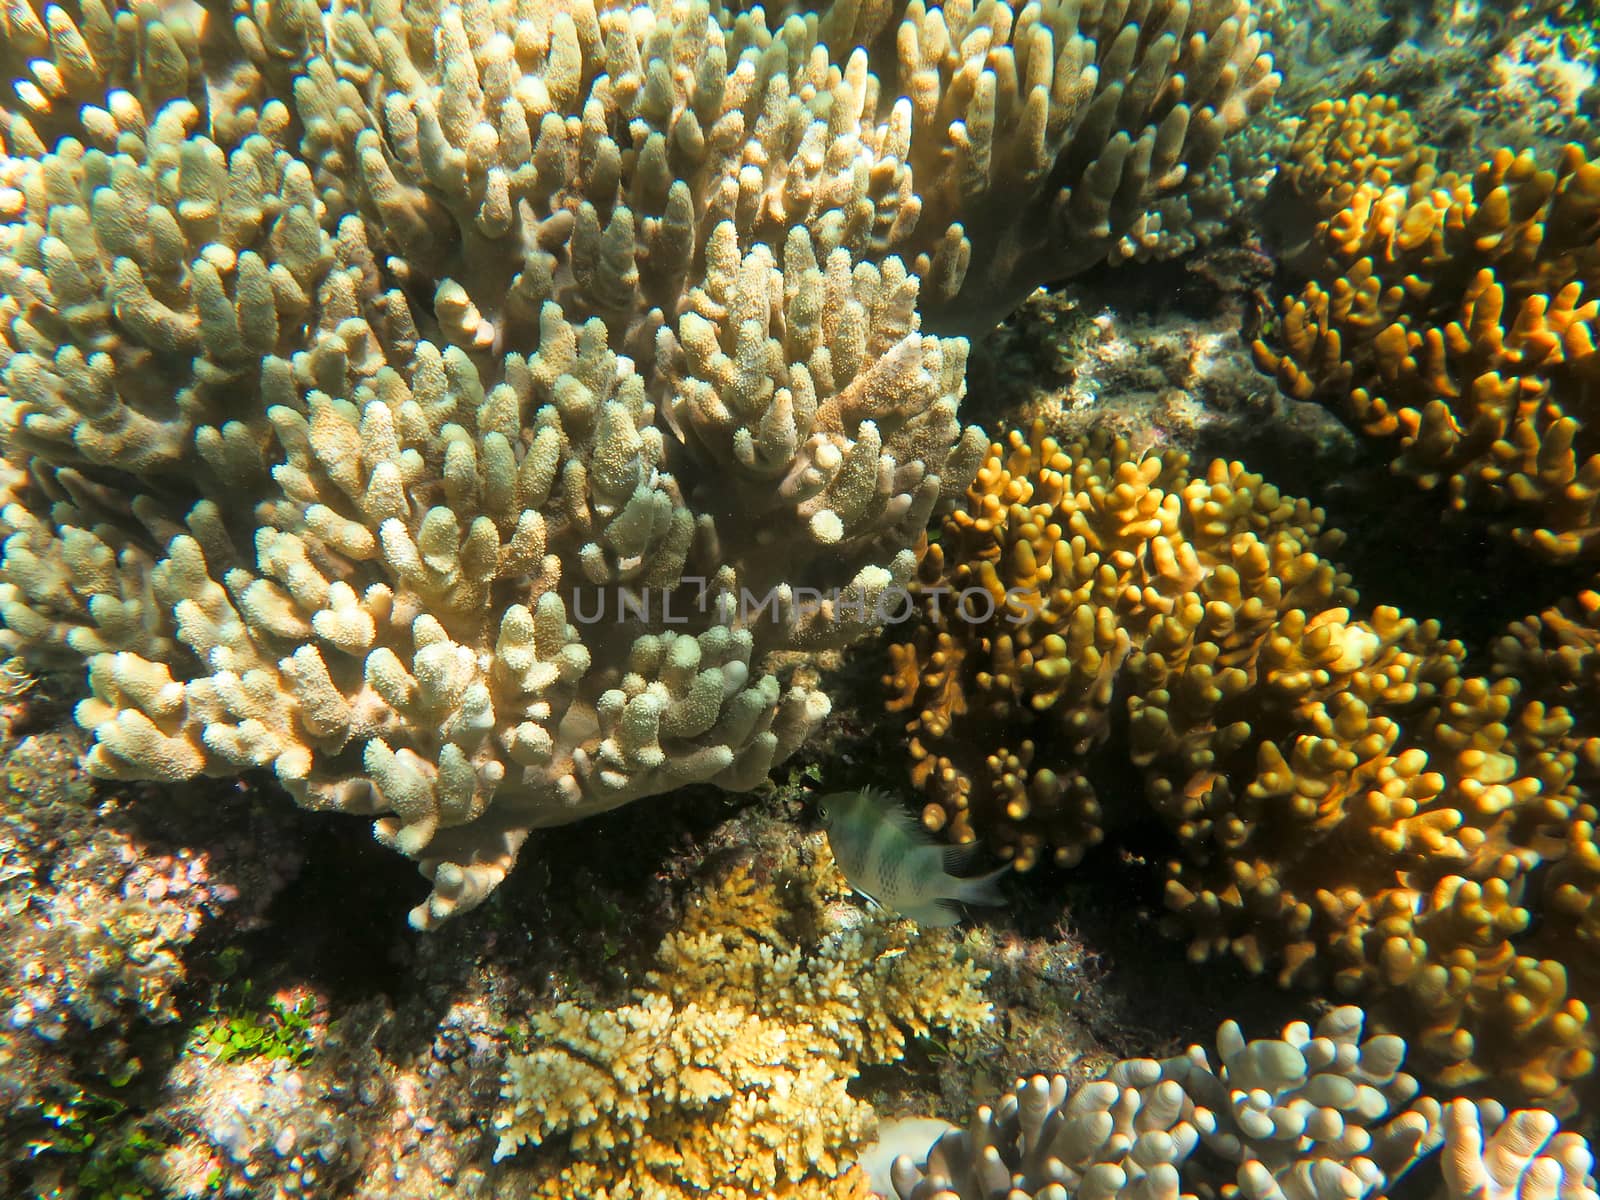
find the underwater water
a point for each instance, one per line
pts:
(942, 601)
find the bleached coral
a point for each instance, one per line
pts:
(727, 1075)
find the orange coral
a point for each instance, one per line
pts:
(1350, 807)
(1458, 317)
(1342, 144)
(1558, 650)
(1556, 653)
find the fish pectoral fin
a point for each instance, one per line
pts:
(957, 859)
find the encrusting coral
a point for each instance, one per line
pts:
(417, 399)
(1320, 1114)
(1455, 316)
(726, 1077)
(1351, 808)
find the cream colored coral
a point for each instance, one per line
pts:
(361, 450)
(1317, 1115)
(726, 1075)
(1323, 1114)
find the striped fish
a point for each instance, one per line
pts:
(892, 861)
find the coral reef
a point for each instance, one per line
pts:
(1453, 317)
(478, 415)
(1320, 1114)
(726, 1076)
(354, 357)
(1351, 808)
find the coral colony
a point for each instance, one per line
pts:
(1354, 806)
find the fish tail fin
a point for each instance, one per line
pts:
(982, 889)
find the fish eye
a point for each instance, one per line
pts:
(822, 812)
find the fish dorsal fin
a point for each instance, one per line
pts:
(894, 813)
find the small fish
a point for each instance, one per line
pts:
(890, 859)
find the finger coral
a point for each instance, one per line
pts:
(1556, 655)
(1344, 143)
(1455, 318)
(1350, 808)
(450, 408)
(726, 1077)
(1557, 651)
(1118, 114)
(1320, 1114)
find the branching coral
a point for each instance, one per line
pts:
(359, 356)
(1065, 569)
(1556, 655)
(1456, 317)
(1351, 809)
(1321, 1114)
(1342, 144)
(1557, 652)
(727, 1075)
(1118, 112)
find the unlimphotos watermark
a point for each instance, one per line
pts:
(890, 605)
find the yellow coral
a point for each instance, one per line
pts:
(727, 1077)
(703, 1101)
(1074, 560)
(1457, 317)
(1344, 143)
(1350, 807)
(1557, 651)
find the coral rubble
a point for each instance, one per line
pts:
(101, 904)
(1351, 808)
(726, 1075)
